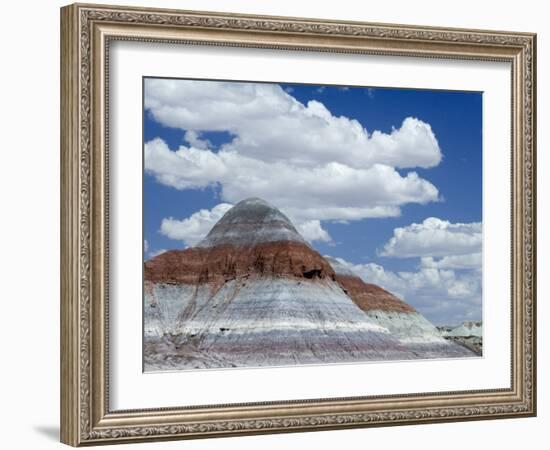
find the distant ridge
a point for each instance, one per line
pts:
(467, 329)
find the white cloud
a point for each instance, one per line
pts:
(446, 286)
(271, 125)
(444, 296)
(311, 230)
(331, 191)
(188, 167)
(300, 157)
(470, 261)
(435, 237)
(145, 246)
(192, 229)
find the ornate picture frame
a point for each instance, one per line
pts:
(87, 31)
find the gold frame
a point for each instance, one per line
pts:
(86, 31)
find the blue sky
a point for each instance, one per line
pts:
(200, 137)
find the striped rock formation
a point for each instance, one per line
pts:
(385, 309)
(467, 329)
(254, 293)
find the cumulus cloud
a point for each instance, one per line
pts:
(444, 296)
(470, 261)
(331, 191)
(188, 167)
(447, 284)
(435, 237)
(145, 246)
(195, 227)
(301, 157)
(270, 124)
(311, 230)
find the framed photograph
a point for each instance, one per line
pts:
(279, 224)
